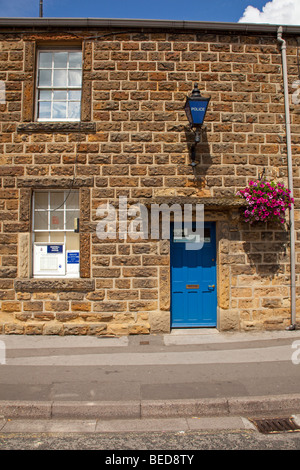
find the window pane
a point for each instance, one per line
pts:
(41, 200)
(45, 95)
(70, 216)
(40, 220)
(56, 237)
(72, 201)
(72, 241)
(45, 78)
(75, 60)
(56, 220)
(59, 110)
(207, 235)
(57, 200)
(45, 109)
(74, 77)
(60, 95)
(60, 60)
(75, 95)
(46, 60)
(41, 237)
(74, 110)
(60, 78)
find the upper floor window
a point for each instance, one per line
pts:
(59, 83)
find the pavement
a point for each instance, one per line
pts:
(185, 380)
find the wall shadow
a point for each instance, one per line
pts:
(266, 248)
(203, 158)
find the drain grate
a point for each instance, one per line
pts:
(274, 425)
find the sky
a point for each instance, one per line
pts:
(247, 11)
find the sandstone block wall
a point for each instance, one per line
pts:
(133, 141)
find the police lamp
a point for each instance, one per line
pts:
(195, 109)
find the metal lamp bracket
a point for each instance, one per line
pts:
(193, 147)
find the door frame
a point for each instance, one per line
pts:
(215, 323)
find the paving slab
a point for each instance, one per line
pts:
(49, 426)
(219, 423)
(177, 425)
(145, 425)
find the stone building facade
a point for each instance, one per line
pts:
(131, 138)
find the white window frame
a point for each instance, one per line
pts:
(63, 208)
(53, 88)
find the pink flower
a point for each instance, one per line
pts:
(266, 201)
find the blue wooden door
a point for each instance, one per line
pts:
(193, 282)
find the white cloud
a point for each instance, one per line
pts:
(274, 12)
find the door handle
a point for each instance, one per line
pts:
(212, 287)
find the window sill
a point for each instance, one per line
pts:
(54, 285)
(61, 127)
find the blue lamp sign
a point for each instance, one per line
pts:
(196, 107)
(198, 111)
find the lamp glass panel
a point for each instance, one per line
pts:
(198, 111)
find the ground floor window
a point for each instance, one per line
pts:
(55, 233)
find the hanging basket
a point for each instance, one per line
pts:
(266, 201)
